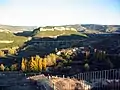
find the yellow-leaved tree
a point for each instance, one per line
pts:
(34, 63)
(2, 54)
(24, 65)
(40, 64)
(53, 58)
(11, 51)
(44, 63)
(49, 61)
(37, 61)
(2, 67)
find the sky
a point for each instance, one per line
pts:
(59, 12)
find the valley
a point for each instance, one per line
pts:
(59, 52)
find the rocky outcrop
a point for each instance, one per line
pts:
(60, 28)
(58, 83)
(14, 81)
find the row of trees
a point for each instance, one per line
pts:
(98, 56)
(37, 63)
(9, 51)
(13, 67)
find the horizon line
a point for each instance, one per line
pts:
(59, 24)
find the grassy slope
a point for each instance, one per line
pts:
(57, 33)
(18, 40)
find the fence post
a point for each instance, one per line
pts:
(53, 86)
(63, 76)
(25, 74)
(119, 73)
(105, 75)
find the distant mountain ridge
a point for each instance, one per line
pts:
(84, 28)
(15, 29)
(95, 28)
(91, 28)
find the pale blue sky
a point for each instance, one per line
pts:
(59, 12)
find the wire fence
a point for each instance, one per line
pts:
(100, 80)
(94, 80)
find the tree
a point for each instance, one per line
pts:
(40, 64)
(87, 53)
(2, 54)
(2, 67)
(49, 61)
(34, 64)
(37, 61)
(24, 65)
(104, 55)
(11, 51)
(44, 63)
(110, 64)
(86, 67)
(53, 58)
(14, 67)
(7, 69)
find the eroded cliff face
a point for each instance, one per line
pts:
(60, 28)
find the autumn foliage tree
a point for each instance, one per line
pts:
(11, 51)
(2, 67)
(44, 63)
(33, 64)
(40, 64)
(24, 65)
(37, 63)
(14, 67)
(7, 69)
(2, 54)
(51, 59)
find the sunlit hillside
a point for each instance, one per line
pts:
(10, 40)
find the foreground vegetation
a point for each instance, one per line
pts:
(37, 56)
(66, 60)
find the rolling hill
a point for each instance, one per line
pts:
(8, 40)
(95, 28)
(83, 28)
(55, 33)
(16, 29)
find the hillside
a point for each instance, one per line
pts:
(83, 28)
(57, 33)
(95, 28)
(16, 28)
(10, 40)
(47, 32)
